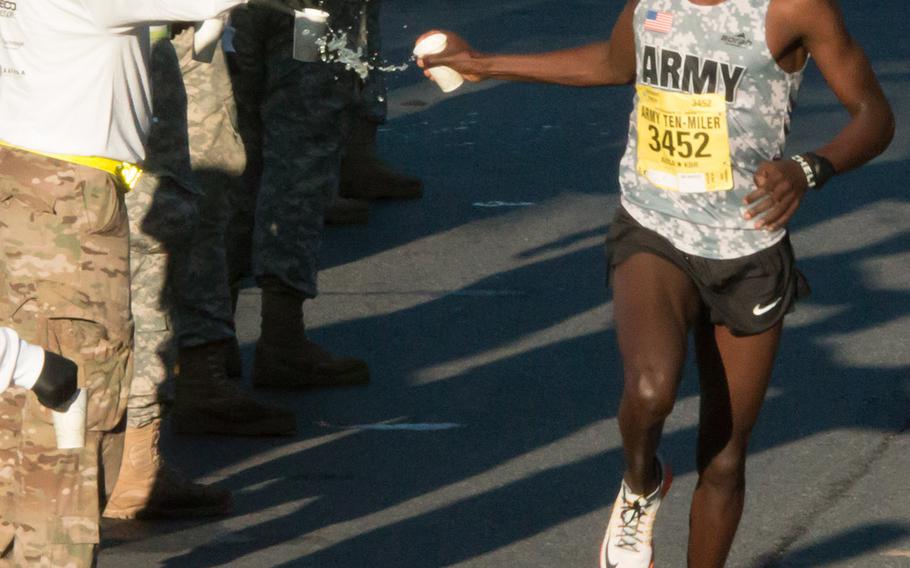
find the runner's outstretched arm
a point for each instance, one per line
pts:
(601, 63)
(818, 27)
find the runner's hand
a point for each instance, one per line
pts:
(780, 186)
(458, 55)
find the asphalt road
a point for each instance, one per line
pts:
(488, 435)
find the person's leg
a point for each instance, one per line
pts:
(208, 399)
(148, 268)
(306, 116)
(202, 304)
(146, 486)
(734, 375)
(66, 258)
(248, 80)
(68, 535)
(363, 174)
(199, 293)
(655, 304)
(69, 555)
(58, 473)
(190, 295)
(12, 402)
(289, 116)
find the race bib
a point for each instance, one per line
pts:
(683, 143)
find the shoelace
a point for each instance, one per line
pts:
(631, 515)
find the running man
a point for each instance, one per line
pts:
(700, 241)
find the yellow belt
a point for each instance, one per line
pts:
(125, 172)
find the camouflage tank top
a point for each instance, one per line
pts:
(711, 104)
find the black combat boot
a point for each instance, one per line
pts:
(286, 358)
(208, 402)
(365, 176)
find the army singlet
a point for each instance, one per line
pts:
(711, 104)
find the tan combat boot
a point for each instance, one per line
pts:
(149, 489)
(208, 402)
(365, 176)
(286, 358)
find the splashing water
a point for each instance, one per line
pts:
(393, 68)
(335, 49)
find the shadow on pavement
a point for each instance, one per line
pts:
(844, 546)
(531, 453)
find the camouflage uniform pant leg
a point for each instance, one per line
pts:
(65, 271)
(373, 98)
(161, 211)
(11, 404)
(306, 123)
(73, 540)
(29, 480)
(55, 556)
(199, 290)
(238, 234)
(152, 340)
(249, 79)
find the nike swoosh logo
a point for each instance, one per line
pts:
(760, 310)
(604, 554)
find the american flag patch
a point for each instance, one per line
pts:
(658, 21)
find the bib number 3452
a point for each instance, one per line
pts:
(683, 142)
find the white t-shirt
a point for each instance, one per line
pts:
(20, 362)
(74, 74)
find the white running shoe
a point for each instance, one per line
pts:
(627, 542)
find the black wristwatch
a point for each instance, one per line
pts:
(818, 169)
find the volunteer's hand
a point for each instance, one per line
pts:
(458, 55)
(780, 187)
(57, 382)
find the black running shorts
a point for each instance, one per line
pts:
(748, 295)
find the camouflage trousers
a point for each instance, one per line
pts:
(179, 282)
(305, 129)
(65, 281)
(161, 213)
(50, 497)
(203, 311)
(178, 219)
(295, 119)
(204, 270)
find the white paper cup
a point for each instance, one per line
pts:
(310, 26)
(70, 424)
(447, 78)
